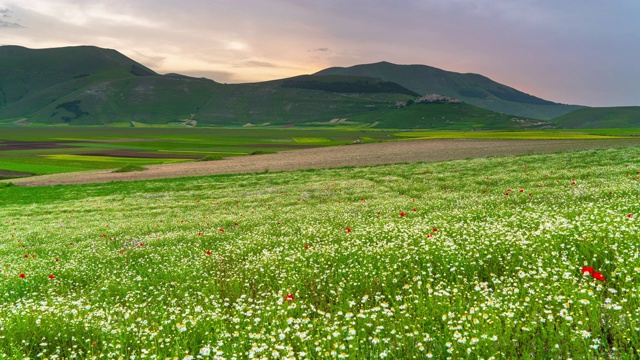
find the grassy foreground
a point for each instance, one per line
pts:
(516, 257)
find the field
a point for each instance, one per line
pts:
(37, 150)
(509, 257)
(50, 150)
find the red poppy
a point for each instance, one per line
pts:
(629, 216)
(221, 230)
(598, 276)
(587, 269)
(52, 277)
(199, 233)
(521, 190)
(26, 256)
(362, 199)
(435, 229)
(414, 209)
(378, 212)
(348, 229)
(141, 244)
(306, 246)
(402, 214)
(289, 297)
(235, 224)
(57, 259)
(208, 252)
(22, 275)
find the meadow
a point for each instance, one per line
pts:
(40, 150)
(531, 256)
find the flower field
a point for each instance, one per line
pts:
(511, 257)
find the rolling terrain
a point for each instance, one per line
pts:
(87, 85)
(603, 117)
(474, 89)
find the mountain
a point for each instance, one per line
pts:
(87, 85)
(474, 89)
(90, 85)
(602, 117)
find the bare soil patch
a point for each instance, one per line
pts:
(6, 174)
(336, 156)
(6, 145)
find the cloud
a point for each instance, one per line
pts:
(253, 63)
(323, 49)
(6, 19)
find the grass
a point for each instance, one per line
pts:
(129, 168)
(473, 258)
(89, 148)
(210, 158)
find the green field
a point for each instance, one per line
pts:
(89, 148)
(464, 259)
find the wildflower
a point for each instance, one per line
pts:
(221, 230)
(598, 276)
(52, 277)
(289, 297)
(435, 229)
(629, 216)
(205, 351)
(402, 214)
(348, 229)
(306, 246)
(587, 270)
(208, 252)
(22, 275)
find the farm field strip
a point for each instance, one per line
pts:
(336, 156)
(507, 257)
(27, 144)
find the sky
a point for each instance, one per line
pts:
(570, 51)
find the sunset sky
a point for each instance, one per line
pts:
(571, 51)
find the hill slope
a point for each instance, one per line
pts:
(86, 85)
(472, 88)
(601, 117)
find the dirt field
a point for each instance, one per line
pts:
(337, 156)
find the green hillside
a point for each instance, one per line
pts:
(471, 88)
(86, 85)
(601, 117)
(446, 116)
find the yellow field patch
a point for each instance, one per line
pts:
(307, 140)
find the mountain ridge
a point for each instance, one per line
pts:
(475, 89)
(88, 85)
